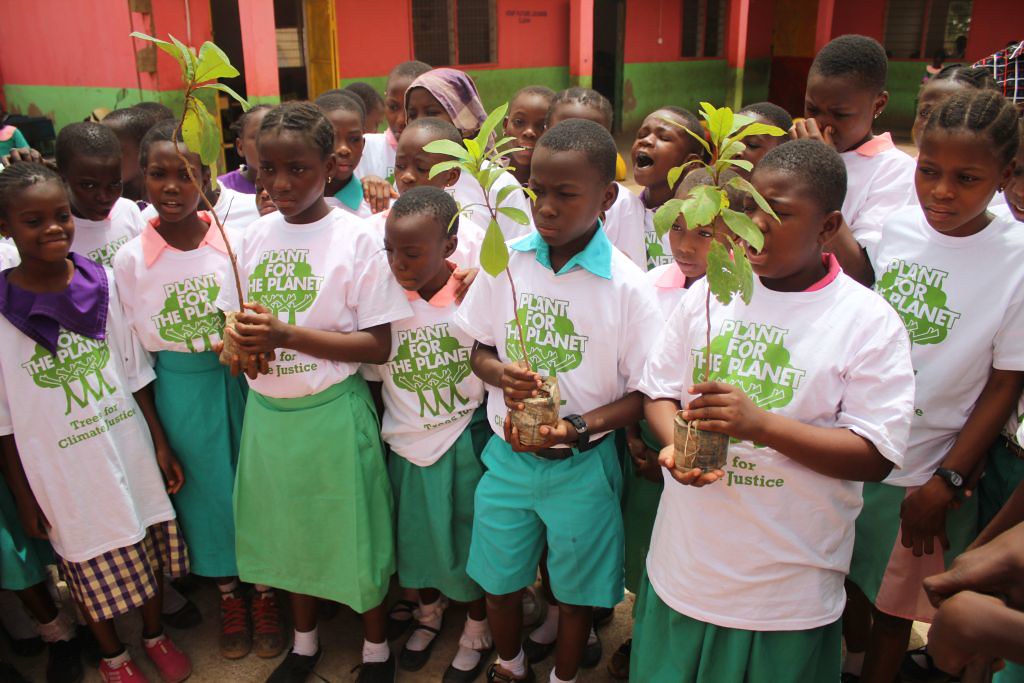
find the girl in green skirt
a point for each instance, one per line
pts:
(313, 506)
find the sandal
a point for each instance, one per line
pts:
(397, 626)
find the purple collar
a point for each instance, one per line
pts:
(81, 308)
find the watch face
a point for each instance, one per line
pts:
(956, 479)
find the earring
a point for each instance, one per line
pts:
(877, 114)
(330, 179)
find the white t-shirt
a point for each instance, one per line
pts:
(467, 190)
(430, 391)
(624, 225)
(100, 240)
(879, 181)
(172, 304)
(83, 441)
(9, 256)
(378, 158)
(669, 286)
(471, 236)
(659, 251)
(328, 275)
(962, 300)
(591, 332)
(781, 535)
(236, 210)
(363, 211)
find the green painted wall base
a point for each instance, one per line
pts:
(684, 84)
(756, 75)
(66, 104)
(903, 84)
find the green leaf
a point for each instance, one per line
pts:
(489, 124)
(744, 228)
(493, 250)
(744, 274)
(166, 47)
(666, 216)
(723, 280)
(743, 185)
(503, 141)
(188, 57)
(443, 166)
(730, 149)
(702, 205)
(742, 163)
(675, 173)
(473, 148)
(213, 64)
(504, 192)
(707, 110)
(719, 125)
(698, 138)
(491, 177)
(758, 128)
(225, 89)
(448, 148)
(210, 140)
(530, 193)
(518, 215)
(192, 129)
(738, 121)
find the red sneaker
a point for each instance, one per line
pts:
(173, 664)
(128, 672)
(235, 637)
(268, 636)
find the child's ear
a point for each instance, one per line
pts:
(451, 244)
(1007, 174)
(830, 226)
(238, 148)
(453, 176)
(880, 102)
(611, 193)
(330, 166)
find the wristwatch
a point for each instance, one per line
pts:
(951, 477)
(582, 430)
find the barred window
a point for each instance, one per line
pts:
(704, 24)
(918, 29)
(454, 32)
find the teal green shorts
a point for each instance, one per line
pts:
(669, 647)
(23, 560)
(640, 499)
(1003, 473)
(523, 501)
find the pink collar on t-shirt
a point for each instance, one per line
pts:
(672, 278)
(153, 244)
(876, 145)
(830, 262)
(444, 296)
(390, 137)
(6, 133)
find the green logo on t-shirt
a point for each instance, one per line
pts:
(284, 282)
(915, 291)
(753, 358)
(656, 255)
(551, 340)
(188, 314)
(430, 363)
(105, 254)
(78, 364)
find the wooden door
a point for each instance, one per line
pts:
(320, 41)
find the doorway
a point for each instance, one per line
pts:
(609, 41)
(307, 47)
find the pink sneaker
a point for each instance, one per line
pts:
(128, 672)
(173, 664)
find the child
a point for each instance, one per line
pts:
(1013, 191)
(526, 122)
(89, 158)
(157, 110)
(451, 95)
(10, 137)
(756, 146)
(170, 278)
(433, 429)
(580, 302)
(130, 125)
(379, 153)
(623, 220)
(243, 178)
(85, 471)
(373, 103)
(313, 508)
(660, 146)
(345, 112)
(845, 94)
(950, 79)
(953, 273)
(813, 382)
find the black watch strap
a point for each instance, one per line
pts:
(582, 430)
(954, 479)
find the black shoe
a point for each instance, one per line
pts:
(494, 677)
(90, 648)
(537, 652)
(918, 667)
(453, 675)
(398, 627)
(295, 668)
(602, 615)
(28, 647)
(618, 665)
(65, 662)
(414, 660)
(8, 674)
(186, 617)
(377, 672)
(592, 654)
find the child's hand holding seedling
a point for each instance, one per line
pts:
(258, 330)
(517, 383)
(725, 408)
(561, 434)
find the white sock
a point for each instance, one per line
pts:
(61, 628)
(428, 615)
(260, 588)
(173, 600)
(476, 636)
(515, 666)
(546, 633)
(114, 662)
(306, 643)
(375, 652)
(592, 638)
(150, 642)
(556, 679)
(853, 663)
(226, 588)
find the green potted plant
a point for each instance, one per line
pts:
(483, 163)
(729, 273)
(199, 130)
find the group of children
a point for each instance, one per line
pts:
(361, 426)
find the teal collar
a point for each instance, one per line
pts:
(595, 257)
(351, 195)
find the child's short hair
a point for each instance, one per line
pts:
(818, 165)
(692, 123)
(157, 110)
(431, 201)
(84, 139)
(439, 128)
(540, 90)
(364, 91)
(861, 57)
(970, 76)
(165, 131)
(984, 112)
(772, 113)
(591, 139)
(17, 177)
(133, 121)
(587, 98)
(305, 118)
(239, 124)
(342, 100)
(411, 70)
(702, 176)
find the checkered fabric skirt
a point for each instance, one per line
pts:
(123, 579)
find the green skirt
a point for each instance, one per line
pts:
(1011, 673)
(23, 560)
(1003, 472)
(201, 407)
(313, 506)
(434, 511)
(669, 647)
(640, 499)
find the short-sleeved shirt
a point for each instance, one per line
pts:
(962, 301)
(471, 237)
(880, 180)
(467, 191)
(234, 180)
(624, 224)
(430, 391)
(834, 357)
(587, 324)
(350, 199)
(100, 240)
(236, 210)
(669, 285)
(332, 275)
(83, 442)
(378, 158)
(658, 249)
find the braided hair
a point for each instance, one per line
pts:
(238, 127)
(984, 112)
(970, 76)
(304, 118)
(16, 177)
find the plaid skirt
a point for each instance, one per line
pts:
(123, 579)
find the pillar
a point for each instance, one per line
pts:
(259, 49)
(581, 43)
(736, 51)
(823, 31)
